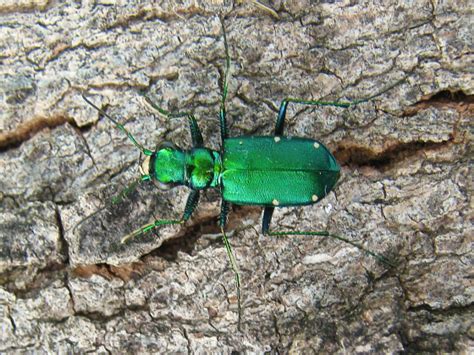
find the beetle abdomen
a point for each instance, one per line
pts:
(276, 171)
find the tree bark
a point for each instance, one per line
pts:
(69, 285)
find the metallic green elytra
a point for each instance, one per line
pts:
(288, 171)
(268, 171)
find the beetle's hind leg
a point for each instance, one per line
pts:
(231, 257)
(334, 236)
(267, 218)
(282, 111)
(280, 123)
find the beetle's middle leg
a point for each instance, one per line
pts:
(191, 205)
(231, 257)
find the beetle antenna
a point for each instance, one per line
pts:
(119, 126)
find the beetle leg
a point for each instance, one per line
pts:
(224, 212)
(149, 227)
(280, 123)
(196, 135)
(282, 111)
(233, 265)
(126, 191)
(281, 118)
(230, 256)
(327, 234)
(222, 112)
(191, 204)
(267, 218)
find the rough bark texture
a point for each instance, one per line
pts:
(406, 190)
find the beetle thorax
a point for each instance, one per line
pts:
(202, 168)
(198, 168)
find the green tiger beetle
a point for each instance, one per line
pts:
(268, 171)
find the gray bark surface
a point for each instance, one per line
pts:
(68, 285)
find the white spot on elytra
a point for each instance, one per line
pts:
(314, 198)
(316, 145)
(275, 202)
(240, 142)
(277, 139)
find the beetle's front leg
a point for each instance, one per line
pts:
(196, 136)
(222, 112)
(191, 204)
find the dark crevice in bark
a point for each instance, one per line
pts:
(125, 272)
(186, 239)
(64, 248)
(451, 310)
(443, 99)
(26, 130)
(355, 155)
(41, 280)
(189, 235)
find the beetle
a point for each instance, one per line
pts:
(268, 171)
